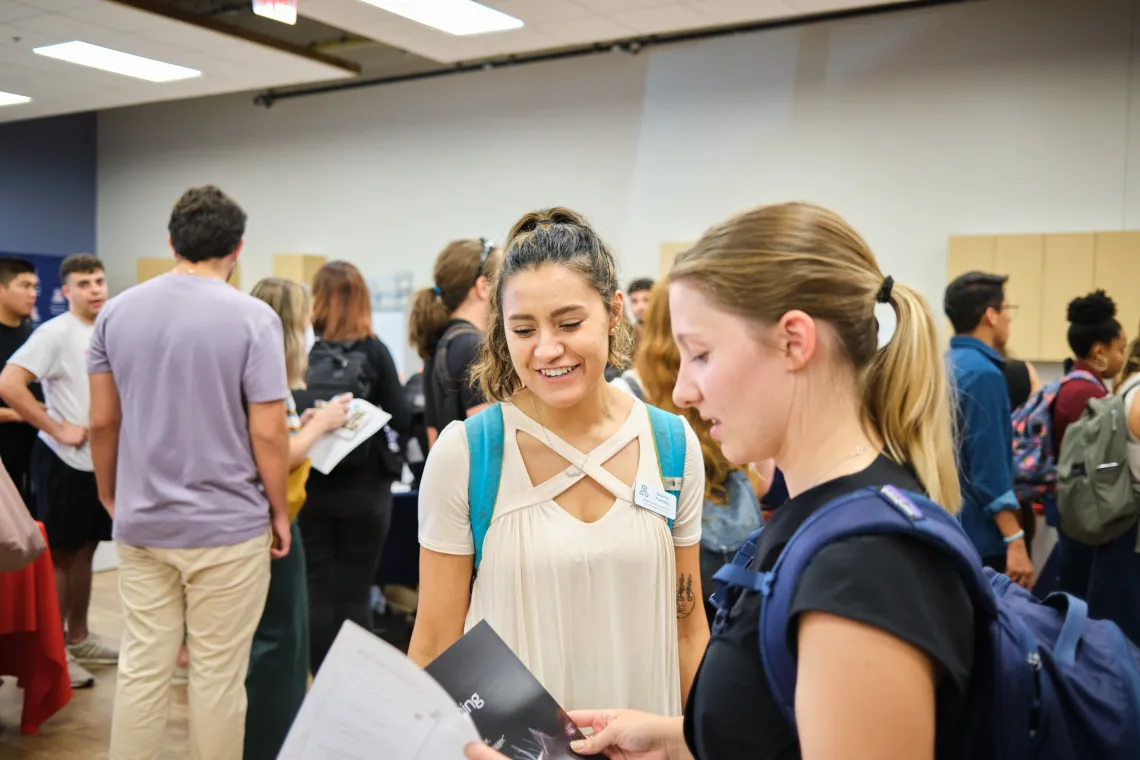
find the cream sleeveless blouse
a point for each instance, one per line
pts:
(590, 608)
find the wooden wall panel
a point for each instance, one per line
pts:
(1068, 273)
(669, 252)
(968, 253)
(301, 267)
(1021, 257)
(1117, 270)
(145, 269)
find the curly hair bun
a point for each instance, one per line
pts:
(1093, 309)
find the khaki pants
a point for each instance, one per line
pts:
(216, 596)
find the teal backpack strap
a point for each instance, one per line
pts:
(669, 440)
(485, 446)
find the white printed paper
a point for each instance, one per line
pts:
(364, 421)
(370, 701)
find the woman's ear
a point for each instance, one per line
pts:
(483, 288)
(797, 338)
(617, 309)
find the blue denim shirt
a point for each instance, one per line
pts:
(985, 441)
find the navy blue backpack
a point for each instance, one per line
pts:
(1048, 683)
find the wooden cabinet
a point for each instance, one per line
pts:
(1117, 271)
(1022, 259)
(1069, 262)
(148, 268)
(1046, 272)
(300, 267)
(970, 253)
(669, 252)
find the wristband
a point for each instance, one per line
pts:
(1015, 537)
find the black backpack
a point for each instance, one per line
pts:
(450, 405)
(336, 368)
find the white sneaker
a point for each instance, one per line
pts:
(79, 675)
(94, 651)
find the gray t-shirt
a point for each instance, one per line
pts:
(187, 353)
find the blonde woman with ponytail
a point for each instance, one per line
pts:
(774, 312)
(446, 326)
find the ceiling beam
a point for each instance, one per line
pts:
(257, 38)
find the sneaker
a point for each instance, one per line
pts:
(94, 651)
(80, 677)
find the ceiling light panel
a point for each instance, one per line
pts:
(116, 62)
(12, 99)
(458, 17)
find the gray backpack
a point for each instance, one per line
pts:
(1096, 495)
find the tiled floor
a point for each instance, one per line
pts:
(81, 731)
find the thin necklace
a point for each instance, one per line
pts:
(858, 450)
(573, 469)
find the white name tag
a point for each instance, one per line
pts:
(655, 500)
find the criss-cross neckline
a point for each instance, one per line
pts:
(582, 465)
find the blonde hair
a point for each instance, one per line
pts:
(1131, 363)
(658, 364)
(773, 259)
(560, 237)
(293, 303)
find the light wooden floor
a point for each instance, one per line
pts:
(82, 729)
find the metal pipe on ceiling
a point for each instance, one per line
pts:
(632, 46)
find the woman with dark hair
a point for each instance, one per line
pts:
(1098, 343)
(347, 514)
(1114, 581)
(596, 591)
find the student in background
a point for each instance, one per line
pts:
(1114, 581)
(1098, 342)
(731, 509)
(446, 327)
(594, 593)
(639, 293)
(279, 658)
(67, 497)
(347, 513)
(773, 312)
(17, 302)
(991, 515)
(1021, 380)
(191, 452)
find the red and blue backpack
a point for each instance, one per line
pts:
(1034, 460)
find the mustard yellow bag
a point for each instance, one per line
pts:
(295, 492)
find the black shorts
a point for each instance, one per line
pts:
(67, 501)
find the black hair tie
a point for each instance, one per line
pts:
(884, 295)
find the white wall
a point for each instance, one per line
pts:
(999, 116)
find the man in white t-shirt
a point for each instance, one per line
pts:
(67, 499)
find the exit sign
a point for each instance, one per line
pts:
(284, 11)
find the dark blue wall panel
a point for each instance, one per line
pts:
(48, 185)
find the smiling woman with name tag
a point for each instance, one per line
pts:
(574, 507)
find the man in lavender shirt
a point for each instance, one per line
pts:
(190, 447)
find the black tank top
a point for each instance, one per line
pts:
(1017, 381)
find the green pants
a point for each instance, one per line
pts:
(279, 659)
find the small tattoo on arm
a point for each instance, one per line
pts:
(686, 602)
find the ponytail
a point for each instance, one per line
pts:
(455, 274)
(770, 260)
(427, 321)
(906, 397)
